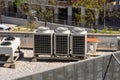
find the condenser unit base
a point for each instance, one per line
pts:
(55, 58)
(5, 61)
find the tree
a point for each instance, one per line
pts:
(1, 9)
(80, 19)
(89, 5)
(46, 13)
(22, 6)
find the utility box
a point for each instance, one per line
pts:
(118, 43)
(92, 45)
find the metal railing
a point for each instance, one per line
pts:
(113, 56)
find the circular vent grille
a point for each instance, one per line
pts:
(9, 38)
(5, 43)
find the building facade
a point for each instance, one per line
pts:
(63, 10)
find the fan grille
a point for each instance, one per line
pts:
(61, 44)
(78, 44)
(42, 44)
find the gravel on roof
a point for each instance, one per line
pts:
(25, 67)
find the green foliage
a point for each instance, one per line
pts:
(32, 25)
(80, 19)
(15, 30)
(94, 31)
(46, 13)
(118, 30)
(88, 3)
(111, 31)
(19, 2)
(52, 2)
(77, 18)
(90, 18)
(19, 28)
(90, 6)
(104, 30)
(24, 28)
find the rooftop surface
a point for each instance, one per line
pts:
(25, 67)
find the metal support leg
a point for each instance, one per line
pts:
(19, 49)
(12, 58)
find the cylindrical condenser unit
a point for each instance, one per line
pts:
(61, 41)
(78, 41)
(43, 44)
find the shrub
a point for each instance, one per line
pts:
(118, 30)
(111, 31)
(104, 30)
(19, 28)
(94, 31)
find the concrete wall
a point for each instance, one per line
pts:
(92, 69)
(105, 42)
(13, 20)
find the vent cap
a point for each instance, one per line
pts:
(61, 29)
(9, 38)
(5, 43)
(42, 29)
(77, 29)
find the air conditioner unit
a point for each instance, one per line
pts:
(61, 41)
(9, 45)
(43, 44)
(78, 42)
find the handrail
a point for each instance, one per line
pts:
(116, 59)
